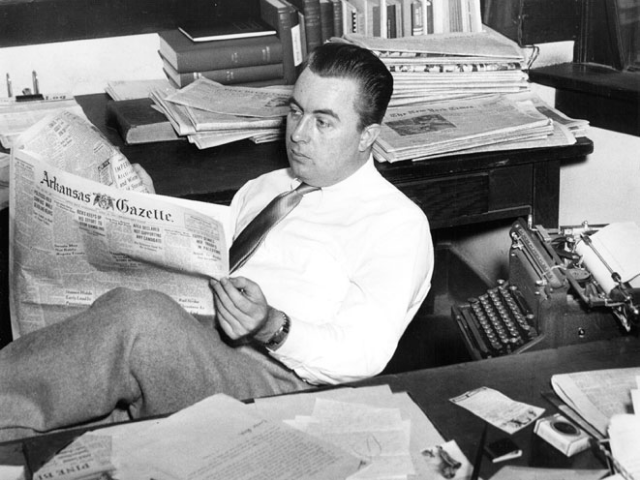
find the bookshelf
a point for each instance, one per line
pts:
(30, 22)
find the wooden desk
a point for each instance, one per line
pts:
(521, 377)
(458, 190)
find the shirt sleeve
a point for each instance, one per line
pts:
(389, 280)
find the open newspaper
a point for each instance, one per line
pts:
(81, 223)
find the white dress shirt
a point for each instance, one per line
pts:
(350, 266)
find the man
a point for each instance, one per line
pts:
(323, 299)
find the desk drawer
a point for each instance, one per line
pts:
(455, 200)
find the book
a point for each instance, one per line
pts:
(351, 19)
(338, 24)
(326, 20)
(405, 17)
(226, 76)
(310, 9)
(228, 30)
(438, 8)
(394, 19)
(138, 122)
(187, 56)
(284, 18)
(364, 17)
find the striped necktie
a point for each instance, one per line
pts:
(253, 234)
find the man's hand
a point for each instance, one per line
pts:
(242, 309)
(144, 176)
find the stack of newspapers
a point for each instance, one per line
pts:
(210, 114)
(450, 65)
(453, 127)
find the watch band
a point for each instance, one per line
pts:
(280, 335)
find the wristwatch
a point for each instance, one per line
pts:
(280, 335)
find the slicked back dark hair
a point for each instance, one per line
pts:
(343, 60)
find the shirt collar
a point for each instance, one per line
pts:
(355, 180)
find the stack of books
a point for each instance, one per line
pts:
(406, 18)
(209, 114)
(238, 52)
(449, 65)
(302, 25)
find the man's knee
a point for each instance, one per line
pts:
(146, 307)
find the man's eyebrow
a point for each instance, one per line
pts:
(323, 111)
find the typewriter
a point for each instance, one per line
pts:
(551, 297)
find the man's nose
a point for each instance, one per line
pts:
(300, 130)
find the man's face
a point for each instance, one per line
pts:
(323, 142)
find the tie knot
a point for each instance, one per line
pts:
(305, 188)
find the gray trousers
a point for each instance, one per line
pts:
(132, 354)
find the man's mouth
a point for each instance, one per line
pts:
(298, 155)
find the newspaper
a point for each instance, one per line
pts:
(420, 131)
(4, 181)
(250, 102)
(487, 43)
(70, 142)
(209, 128)
(73, 238)
(597, 395)
(16, 117)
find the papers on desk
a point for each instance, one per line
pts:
(490, 123)
(498, 409)
(624, 439)
(212, 114)
(607, 400)
(511, 472)
(9, 472)
(365, 421)
(349, 433)
(134, 89)
(4, 180)
(17, 117)
(597, 395)
(447, 66)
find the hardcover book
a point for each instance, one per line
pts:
(284, 18)
(187, 56)
(312, 23)
(352, 19)
(326, 19)
(228, 76)
(228, 30)
(338, 25)
(138, 122)
(364, 17)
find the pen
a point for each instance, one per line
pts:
(9, 90)
(478, 460)
(34, 79)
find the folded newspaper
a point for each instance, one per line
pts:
(82, 223)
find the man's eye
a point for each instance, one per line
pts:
(294, 112)
(322, 123)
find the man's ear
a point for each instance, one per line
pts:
(368, 136)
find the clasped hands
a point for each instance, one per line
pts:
(242, 310)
